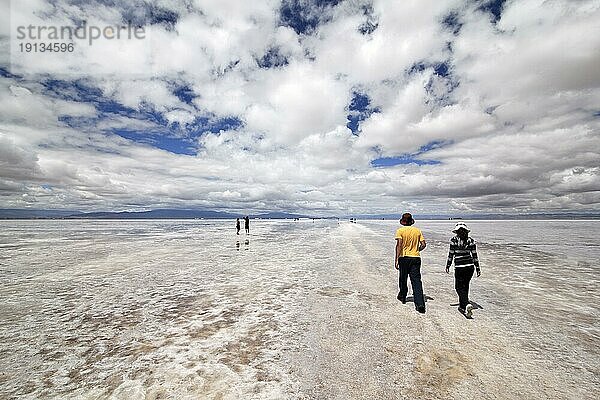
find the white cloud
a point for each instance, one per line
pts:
(296, 102)
(516, 111)
(407, 33)
(28, 106)
(16, 162)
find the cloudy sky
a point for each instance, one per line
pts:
(322, 107)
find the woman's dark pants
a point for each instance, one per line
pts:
(411, 266)
(462, 278)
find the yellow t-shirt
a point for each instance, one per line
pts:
(411, 237)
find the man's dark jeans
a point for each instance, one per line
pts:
(411, 266)
(462, 278)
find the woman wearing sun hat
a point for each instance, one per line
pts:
(464, 253)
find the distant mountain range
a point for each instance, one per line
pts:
(152, 214)
(211, 214)
(10, 213)
(565, 215)
(155, 214)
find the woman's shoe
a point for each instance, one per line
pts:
(469, 311)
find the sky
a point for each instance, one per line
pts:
(321, 107)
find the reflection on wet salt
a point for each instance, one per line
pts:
(171, 315)
(167, 309)
(246, 244)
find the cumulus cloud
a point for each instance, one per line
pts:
(297, 102)
(245, 105)
(17, 163)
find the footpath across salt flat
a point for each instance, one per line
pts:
(361, 342)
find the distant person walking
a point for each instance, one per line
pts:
(247, 224)
(409, 243)
(464, 253)
(237, 226)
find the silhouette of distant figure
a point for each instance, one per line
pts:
(247, 224)
(237, 226)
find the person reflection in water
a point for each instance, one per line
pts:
(238, 245)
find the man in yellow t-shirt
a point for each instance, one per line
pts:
(409, 243)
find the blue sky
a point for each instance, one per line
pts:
(321, 107)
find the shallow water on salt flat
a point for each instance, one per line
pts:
(188, 309)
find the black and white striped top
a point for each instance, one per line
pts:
(464, 253)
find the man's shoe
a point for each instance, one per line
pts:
(421, 309)
(402, 299)
(469, 311)
(461, 310)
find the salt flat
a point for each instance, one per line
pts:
(296, 310)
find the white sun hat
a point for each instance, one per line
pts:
(459, 226)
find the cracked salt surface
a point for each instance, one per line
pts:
(297, 310)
